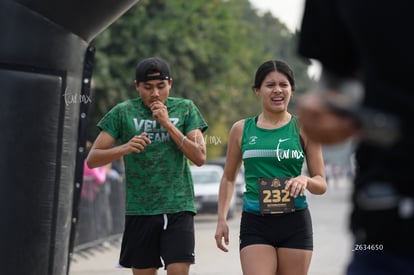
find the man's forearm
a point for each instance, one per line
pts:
(192, 145)
(100, 157)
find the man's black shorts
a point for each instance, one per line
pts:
(148, 239)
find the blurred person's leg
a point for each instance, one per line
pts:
(380, 263)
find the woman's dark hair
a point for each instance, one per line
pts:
(273, 66)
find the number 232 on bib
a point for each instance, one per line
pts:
(273, 197)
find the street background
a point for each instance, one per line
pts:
(332, 241)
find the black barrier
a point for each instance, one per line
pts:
(84, 100)
(101, 208)
(43, 48)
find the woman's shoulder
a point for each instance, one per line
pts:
(295, 121)
(294, 118)
(241, 122)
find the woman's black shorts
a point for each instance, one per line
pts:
(292, 230)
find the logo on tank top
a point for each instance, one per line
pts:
(287, 153)
(252, 139)
(284, 150)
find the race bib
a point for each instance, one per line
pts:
(273, 197)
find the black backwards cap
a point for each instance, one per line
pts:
(152, 68)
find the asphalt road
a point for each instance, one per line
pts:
(332, 243)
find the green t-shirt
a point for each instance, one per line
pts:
(269, 154)
(158, 180)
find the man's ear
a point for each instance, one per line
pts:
(136, 84)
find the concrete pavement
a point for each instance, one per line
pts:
(332, 242)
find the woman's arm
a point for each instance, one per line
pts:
(316, 167)
(316, 181)
(227, 183)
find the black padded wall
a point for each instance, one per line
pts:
(43, 46)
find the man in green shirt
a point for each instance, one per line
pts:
(158, 136)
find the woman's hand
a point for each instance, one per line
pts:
(222, 232)
(297, 186)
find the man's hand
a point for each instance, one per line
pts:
(160, 112)
(137, 144)
(322, 124)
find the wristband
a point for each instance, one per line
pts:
(182, 142)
